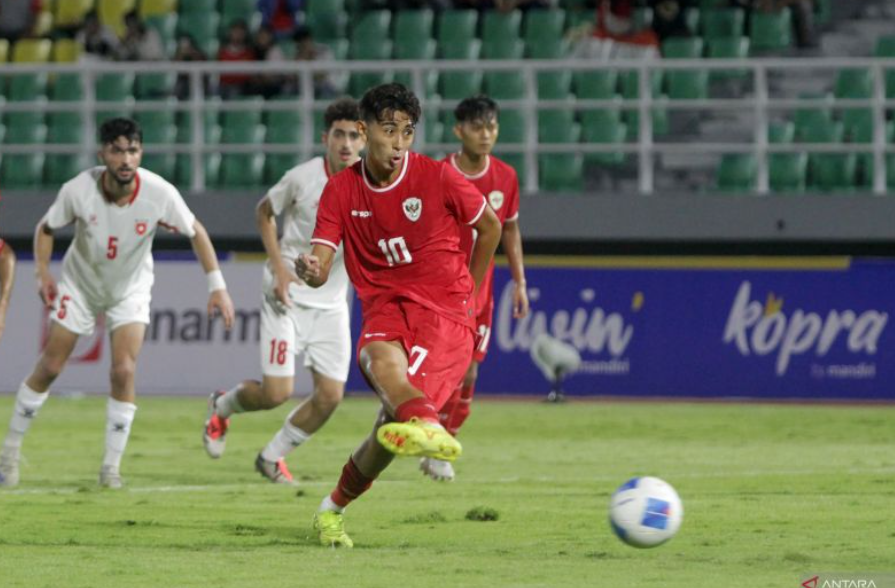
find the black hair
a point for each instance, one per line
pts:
(113, 128)
(341, 109)
(474, 108)
(389, 98)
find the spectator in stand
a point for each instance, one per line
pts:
(236, 48)
(266, 50)
(306, 49)
(187, 50)
(670, 18)
(614, 34)
(280, 16)
(97, 39)
(17, 18)
(140, 43)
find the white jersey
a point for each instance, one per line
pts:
(110, 258)
(296, 196)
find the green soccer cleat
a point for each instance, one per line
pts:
(330, 527)
(419, 438)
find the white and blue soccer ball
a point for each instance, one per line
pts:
(645, 512)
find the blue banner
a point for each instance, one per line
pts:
(707, 328)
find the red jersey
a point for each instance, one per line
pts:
(500, 187)
(403, 240)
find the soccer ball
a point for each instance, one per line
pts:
(645, 512)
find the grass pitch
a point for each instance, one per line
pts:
(770, 494)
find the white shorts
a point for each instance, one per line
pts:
(323, 335)
(77, 313)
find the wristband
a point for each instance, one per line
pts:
(215, 281)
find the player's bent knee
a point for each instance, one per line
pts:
(124, 370)
(275, 393)
(327, 398)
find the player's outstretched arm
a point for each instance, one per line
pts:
(7, 277)
(266, 221)
(43, 250)
(314, 269)
(511, 240)
(488, 229)
(218, 298)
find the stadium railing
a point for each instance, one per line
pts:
(758, 101)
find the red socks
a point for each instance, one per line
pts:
(419, 407)
(455, 412)
(351, 484)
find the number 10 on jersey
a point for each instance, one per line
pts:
(395, 251)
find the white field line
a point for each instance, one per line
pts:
(512, 480)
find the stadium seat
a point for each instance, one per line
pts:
(233, 10)
(596, 85)
(70, 13)
(737, 172)
(372, 26)
(603, 127)
(152, 8)
(157, 135)
(517, 162)
(67, 88)
(422, 49)
(248, 115)
(4, 50)
(829, 171)
(111, 13)
(885, 47)
(327, 25)
(66, 51)
(364, 49)
(810, 117)
(162, 117)
(284, 135)
(166, 26)
(65, 128)
(32, 51)
(413, 26)
(787, 171)
(277, 164)
(154, 85)
(721, 23)
(513, 128)
(245, 170)
(781, 132)
(164, 164)
(501, 25)
(558, 126)
(543, 25)
(557, 83)
(457, 85)
(291, 118)
(183, 170)
(457, 26)
(434, 128)
(865, 160)
(630, 87)
(561, 172)
(692, 19)
(22, 171)
(504, 85)
(26, 87)
(853, 83)
(685, 84)
(114, 87)
(705, 5)
(770, 31)
(322, 6)
(197, 6)
(61, 167)
(203, 27)
(728, 48)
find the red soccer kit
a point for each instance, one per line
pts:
(403, 256)
(500, 186)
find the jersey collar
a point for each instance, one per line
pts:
(108, 198)
(477, 176)
(363, 168)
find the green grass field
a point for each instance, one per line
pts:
(770, 493)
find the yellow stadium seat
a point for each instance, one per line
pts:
(70, 13)
(111, 13)
(43, 24)
(32, 51)
(66, 51)
(4, 50)
(157, 7)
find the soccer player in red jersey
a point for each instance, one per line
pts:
(399, 216)
(477, 128)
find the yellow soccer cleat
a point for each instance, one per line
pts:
(330, 527)
(419, 438)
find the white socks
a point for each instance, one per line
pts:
(119, 416)
(328, 504)
(286, 439)
(28, 403)
(229, 403)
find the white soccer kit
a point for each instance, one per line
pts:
(108, 267)
(318, 322)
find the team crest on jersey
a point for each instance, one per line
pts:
(141, 227)
(495, 199)
(413, 208)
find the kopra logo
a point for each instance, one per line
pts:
(763, 329)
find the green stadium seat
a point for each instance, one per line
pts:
(241, 170)
(603, 127)
(504, 85)
(829, 171)
(65, 128)
(501, 25)
(154, 85)
(705, 5)
(457, 26)
(22, 171)
(160, 135)
(630, 89)
(413, 26)
(284, 135)
(728, 48)
(723, 23)
(544, 25)
(277, 164)
(865, 160)
(248, 115)
(787, 171)
(555, 84)
(809, 117)
(770, 31)
(162, 117)
(420, 49)
(323, 6)
(197, 6)
(183, 170)
(457, 85)
(60, 168)
(596, 85)
(203, 27)
(67, 88)
(360, 82)
(2, 134)
(372, 27)
(558, 126)
(561, 172)
(692, 18)
(737, 172)
(885, 47)
(327, 26)
(164, 164)
(516, 161)
(781, 132)
(434, 129)
(114, 87)
(854, 83)
(512, 127)
(242, 134)
(233, 10)
(166, 26)
(687, 84)
(27, 87)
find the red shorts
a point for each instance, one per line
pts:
(483, 331)
(438, 349)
